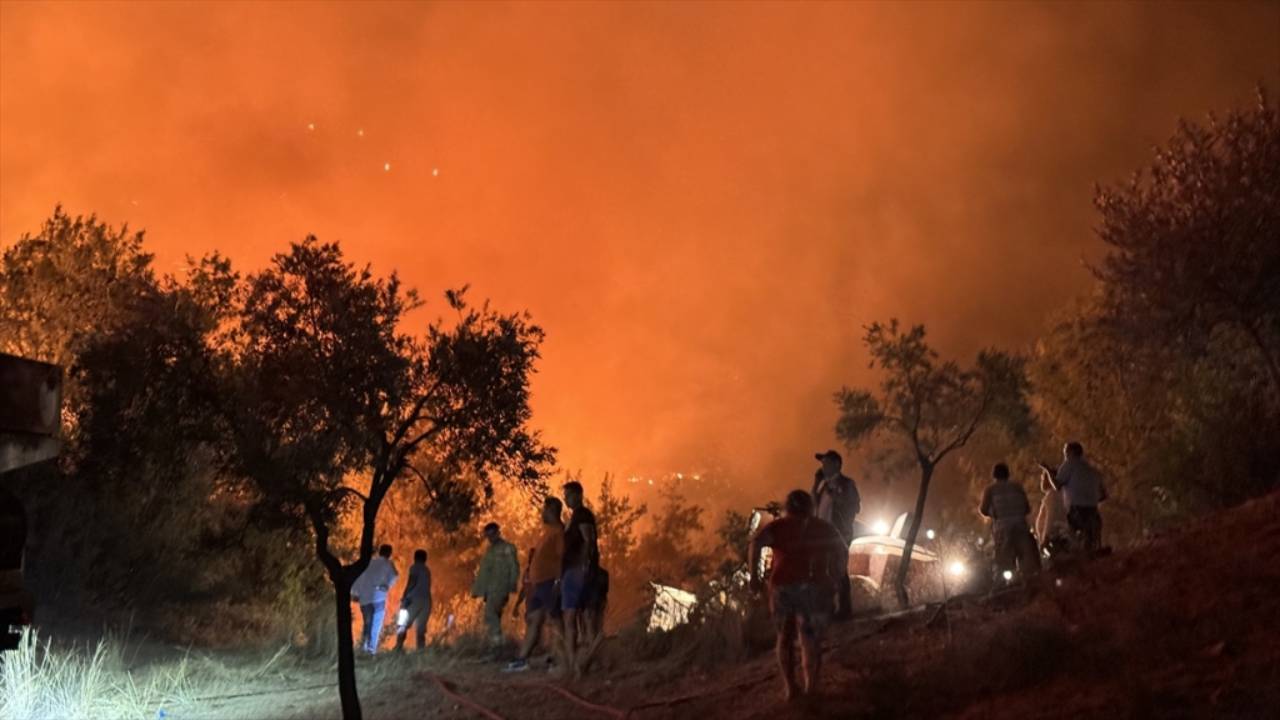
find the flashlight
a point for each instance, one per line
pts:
(956, 568)
(1008, 575)
(880, 527)
(929, 534)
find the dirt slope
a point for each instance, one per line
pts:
(1185, 626)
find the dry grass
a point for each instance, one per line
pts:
(40, 680)
(706, 643)
(127, 677)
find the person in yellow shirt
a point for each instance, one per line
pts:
(540, 581)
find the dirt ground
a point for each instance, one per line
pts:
(1184, 626)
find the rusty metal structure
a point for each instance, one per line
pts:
(30, 418)
(30, 406)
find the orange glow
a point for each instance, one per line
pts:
(702, 204)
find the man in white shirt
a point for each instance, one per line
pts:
(370, 592)
(1082, 489)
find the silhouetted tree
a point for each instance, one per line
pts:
(331, 404)
(1176, 433)
(936, 406)
(616, 520)
(669, 552)
(734, 535)
(75, 280)
(139, 432)
(1169, 374)
(1193, 241)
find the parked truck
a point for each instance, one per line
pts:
(30, 416)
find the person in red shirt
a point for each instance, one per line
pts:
(808, 557)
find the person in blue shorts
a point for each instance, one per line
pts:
(540, 581)
(578, 574)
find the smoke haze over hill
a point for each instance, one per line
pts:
(703, 205)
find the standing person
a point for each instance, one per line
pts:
(497, 579)
(370, 592)
(577, 578)
(1006, 504)
(415, 604)
(807, 556)
(1051, 521)
(591, 618)
(838, 502)
(1083, 491)
(523, 593)
(540, 581)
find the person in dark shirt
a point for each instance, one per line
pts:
(578, 576)
(591, 619)
(415, 603)
(808, 555)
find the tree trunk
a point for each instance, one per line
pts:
(1268, 358)
(900, 584)
(346, 652)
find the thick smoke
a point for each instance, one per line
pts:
(702, 204)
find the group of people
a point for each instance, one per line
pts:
(563, 588)
(1068, 512)
(370, 592)
(808, 583)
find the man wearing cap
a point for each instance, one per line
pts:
(837, 500)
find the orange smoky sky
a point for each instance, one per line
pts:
(702, 204)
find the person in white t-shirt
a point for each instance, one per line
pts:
(1083, 490)
(370, 593)
(1051, 522)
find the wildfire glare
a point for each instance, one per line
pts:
(684, 224)
(617, 199)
